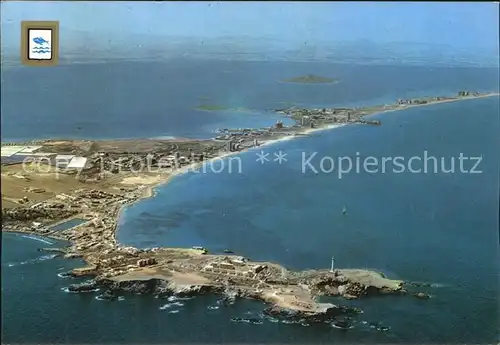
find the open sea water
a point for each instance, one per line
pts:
(440, 228)
(152, 99)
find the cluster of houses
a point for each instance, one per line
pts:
(434, 99)
(467, 93)
(412, 101)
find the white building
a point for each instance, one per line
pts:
(62, 161)
(77, 163)
(8, 151)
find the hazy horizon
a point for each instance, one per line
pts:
(265, 30)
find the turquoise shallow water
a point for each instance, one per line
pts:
(438, 228)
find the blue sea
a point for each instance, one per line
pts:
(436, 227)
(152, 99)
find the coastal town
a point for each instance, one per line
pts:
(74, 190)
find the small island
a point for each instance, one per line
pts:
(311, 79)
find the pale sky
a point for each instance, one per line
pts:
(460, 24)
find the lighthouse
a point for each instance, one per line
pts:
(333, 264)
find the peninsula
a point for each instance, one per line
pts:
(74, 190)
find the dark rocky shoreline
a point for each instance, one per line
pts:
(159, 288)
(340, 316)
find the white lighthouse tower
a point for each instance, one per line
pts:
(333, 264)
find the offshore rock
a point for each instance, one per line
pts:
(343, 323)
(422, 295)
(251, 320)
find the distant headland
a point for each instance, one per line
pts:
(311, 79)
